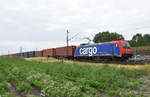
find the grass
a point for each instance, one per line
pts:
(145, 68)
(62, 79)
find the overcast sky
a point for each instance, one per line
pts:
(32, 24)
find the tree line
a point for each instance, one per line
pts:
(136, 41)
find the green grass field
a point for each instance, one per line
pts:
(20, 78)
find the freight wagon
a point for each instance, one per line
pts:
(27, 54)
(65, 52)
(49, 52)
(12, 55)
(38, 53)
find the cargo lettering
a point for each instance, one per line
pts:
(90, 51)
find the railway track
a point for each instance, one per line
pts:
(116, 62)
(136, 60)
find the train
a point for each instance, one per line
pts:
(97, 51)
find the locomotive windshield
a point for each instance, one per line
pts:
(126, 45)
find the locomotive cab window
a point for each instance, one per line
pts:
(126, 45)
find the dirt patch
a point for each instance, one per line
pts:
(35, 91)
(144, 88)
(16, 93)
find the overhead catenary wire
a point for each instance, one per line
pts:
(69, 39)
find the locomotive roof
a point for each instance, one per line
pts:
(100, 43)
(95, 44)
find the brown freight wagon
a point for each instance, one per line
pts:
(10, 55)
(38, 53)
(62, 52)
(49, 52)
(13, 55)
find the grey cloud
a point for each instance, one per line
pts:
(45, 21)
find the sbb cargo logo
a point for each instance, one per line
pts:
(88, 51)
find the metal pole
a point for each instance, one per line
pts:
(8, 53)
(20, 51)
(136, 49)
(67, 42)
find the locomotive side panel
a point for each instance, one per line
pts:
(106, 49)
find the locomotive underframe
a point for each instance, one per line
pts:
(104, 57)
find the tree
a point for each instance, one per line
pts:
(107, 36)
(146, 37)
(138, 40)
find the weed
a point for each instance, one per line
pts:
(133, 85)
(3, 87)
(128, 95)
(24, 87)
